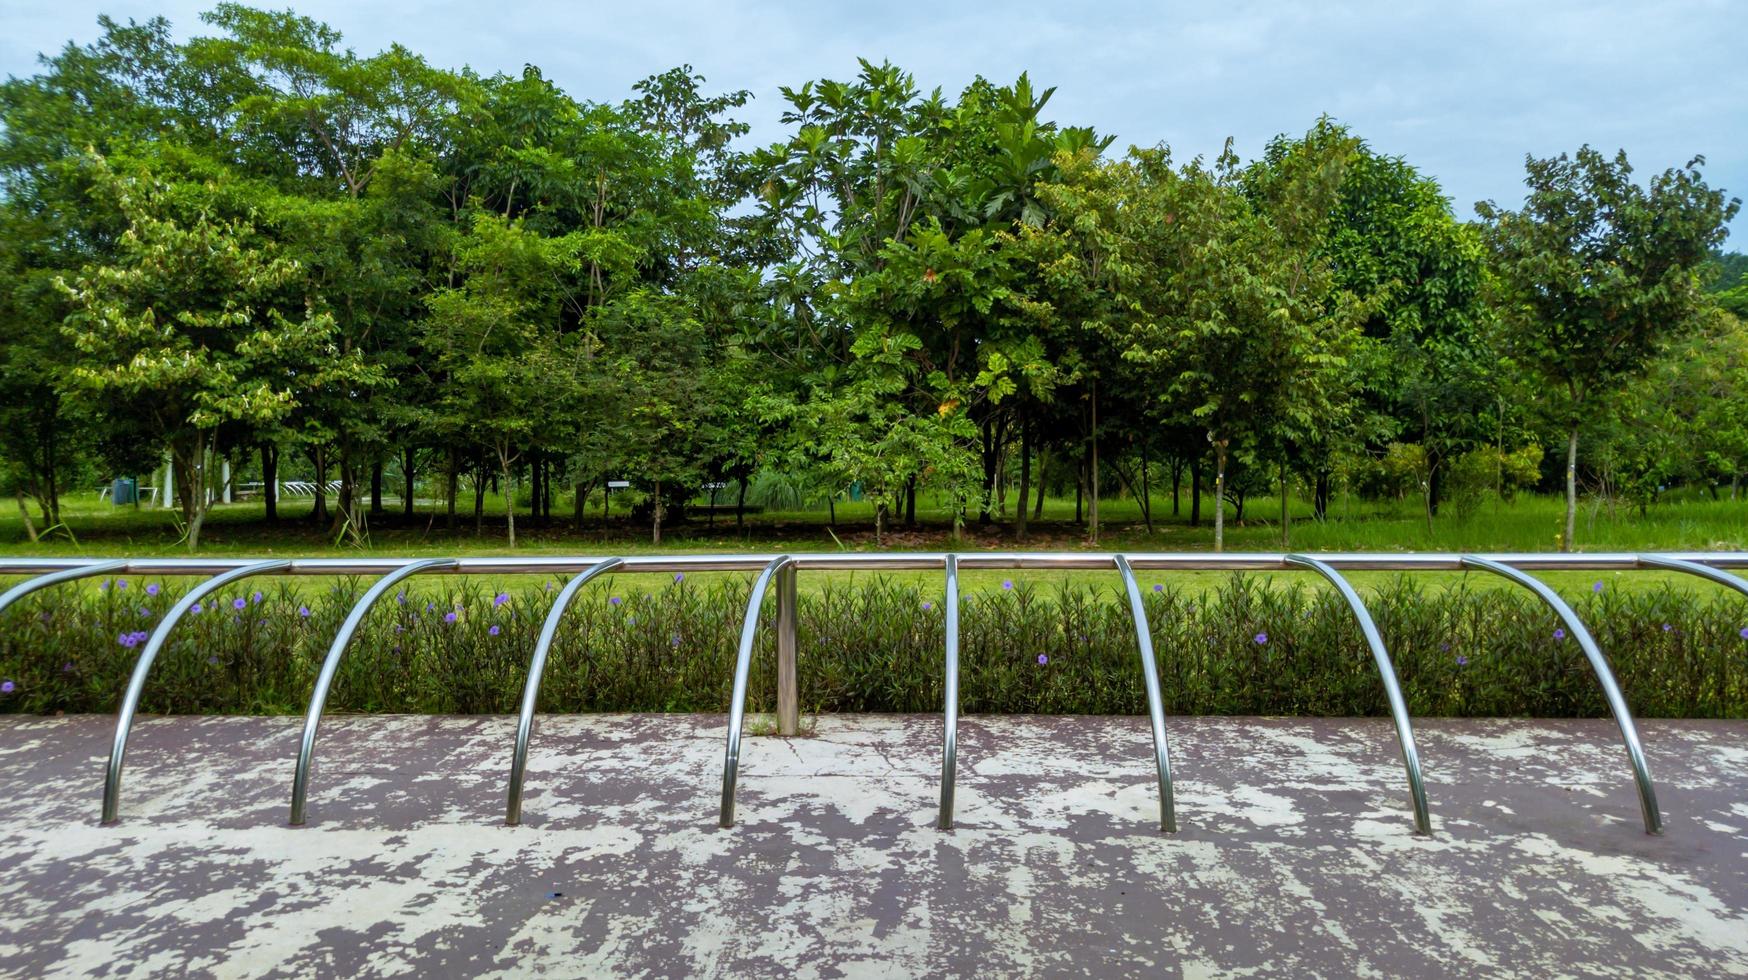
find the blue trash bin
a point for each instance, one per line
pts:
(124, 490)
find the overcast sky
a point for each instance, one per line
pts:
(1461, 88)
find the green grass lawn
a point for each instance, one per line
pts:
(1528, 524)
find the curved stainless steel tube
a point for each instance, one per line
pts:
(331, 666)
(1707, 572)
(1155, 702)
(1392, 687)
(130, 701)
(531, 688)
(1617, 702)
(738, 700)
(950, 710)
(28, 586)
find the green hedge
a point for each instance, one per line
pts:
(1243, 647)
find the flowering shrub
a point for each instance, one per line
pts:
(1241, 647)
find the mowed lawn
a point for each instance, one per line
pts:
(1529, 523)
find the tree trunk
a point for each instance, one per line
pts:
(24, 514)
(582, 496)
(1320, 496)
(1196, 492)
(407, 488)
(1092, 513)
(656, 515)
(988, 460)
(1025, 479)
(270, 480)
(193, 463)
(1038, 508)
(376, 488)
(910, 501)
(319, 508)
(1571, 488)
(879, 523)
(1435, 484)
(452, 490)
(504, 460)
(534, 478)
(740, 505)
(1286, 518)
(1177, 482)
(479, 499)
(1146, 491)
(1219, 496)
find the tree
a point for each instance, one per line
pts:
(1234, 312)
(181, 328)
(1596, 273)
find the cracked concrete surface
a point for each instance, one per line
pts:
(1296, 854)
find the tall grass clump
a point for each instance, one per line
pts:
(1241, 647)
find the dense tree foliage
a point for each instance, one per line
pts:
(260, 244)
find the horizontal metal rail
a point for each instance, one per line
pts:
(910, 561)
(45, 572)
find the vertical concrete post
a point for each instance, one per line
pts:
(788, 686)
(225, 477)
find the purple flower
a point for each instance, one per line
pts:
(212, 660)
(1158, 588)
(1597, 587)
(614, 601)
(256, 598)
(494, 630)
(130, 640)
(399, 628)
(547, 587)
(303, 611)
(1444, 648)
(430, 606)
(194, 608)
(1559, 633)
(121, 583)
(449, 617)
(1667, 627)
(502, 598)
(152, 589)
(7, 687)
(1043, 659)
(1261, 638)
(103, 586)
(679, 576)
(238, 603)
(144, 611)
(1007, 583)
(927, 605)
(1744, 633)
(67, 668)
(676, 639)
(1462, 661)
(631, 620)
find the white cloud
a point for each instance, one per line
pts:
(1463, 90)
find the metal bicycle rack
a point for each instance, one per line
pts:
(781, 570)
